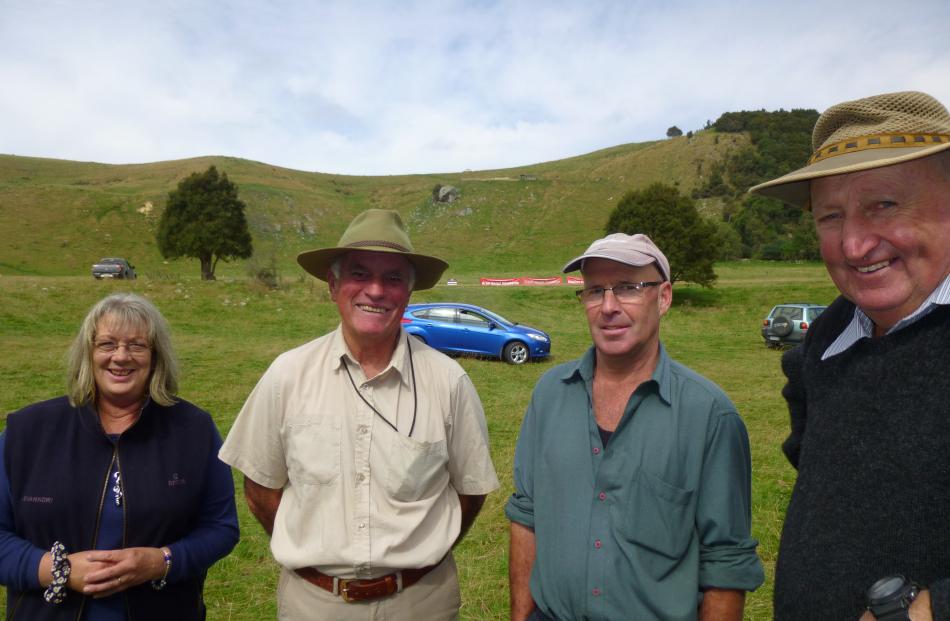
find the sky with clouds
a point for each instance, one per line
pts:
(411, 86)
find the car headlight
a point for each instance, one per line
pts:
(538, 337)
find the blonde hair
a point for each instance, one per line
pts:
(125, 309)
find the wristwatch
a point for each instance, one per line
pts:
(889, 598)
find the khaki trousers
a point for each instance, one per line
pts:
(435, 597)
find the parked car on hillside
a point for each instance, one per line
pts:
(468, 329)
(788, 323)
(113, 267)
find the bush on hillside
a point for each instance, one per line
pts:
(780, 142)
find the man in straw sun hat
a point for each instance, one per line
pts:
(867, 530)
(365, 453)
(632, 473)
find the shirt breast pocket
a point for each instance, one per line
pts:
(658, 518)
(415, 469)
(313, 451)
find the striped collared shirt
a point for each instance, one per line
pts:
(861, 325)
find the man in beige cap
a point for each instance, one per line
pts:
(632, 473)
(365, 453)
(867, 530)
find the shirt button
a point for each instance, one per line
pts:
(597, 544)
(362, 429)
(602, 496)
(362, 525)
(360, 477)
(596, 591)
(596, 450)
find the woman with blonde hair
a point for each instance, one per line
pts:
(113, 502)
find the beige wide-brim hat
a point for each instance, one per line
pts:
(866, 133)
(375, 230)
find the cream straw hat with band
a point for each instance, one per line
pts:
(866, 133)
(375, 230)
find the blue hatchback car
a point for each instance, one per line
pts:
(468, 329)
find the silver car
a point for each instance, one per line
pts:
(788, 323)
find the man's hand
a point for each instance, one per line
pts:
(919, 609)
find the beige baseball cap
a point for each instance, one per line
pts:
(636, 250)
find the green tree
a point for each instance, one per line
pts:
(804, 242)
(204, 219)
(674, 132)
(671, 220)
(728, 242)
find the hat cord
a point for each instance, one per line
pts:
(415, 397)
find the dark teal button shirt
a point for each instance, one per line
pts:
(636, 529)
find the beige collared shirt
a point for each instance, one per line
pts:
(360, 499)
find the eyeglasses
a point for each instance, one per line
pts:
(110, 347)
(627, 292)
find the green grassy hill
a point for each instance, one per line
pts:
(58, 217)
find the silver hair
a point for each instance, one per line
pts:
(125, 309)
(337, 265)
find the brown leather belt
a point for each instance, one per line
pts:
(364, 590)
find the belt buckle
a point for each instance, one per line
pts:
(344, 591)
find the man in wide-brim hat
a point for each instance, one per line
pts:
(365, 453)
(868, 527)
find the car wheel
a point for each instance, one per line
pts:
(781, 326)
(515, 352)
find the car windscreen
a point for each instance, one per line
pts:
(498, 318)
(471, 318)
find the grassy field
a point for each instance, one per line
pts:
(228, 331)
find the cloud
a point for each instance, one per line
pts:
(411, 87)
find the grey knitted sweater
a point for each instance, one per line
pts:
(871, 441)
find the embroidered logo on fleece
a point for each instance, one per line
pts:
(43, 500)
